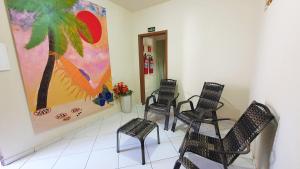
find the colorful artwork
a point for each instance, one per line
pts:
(63, 54)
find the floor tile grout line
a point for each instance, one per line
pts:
(163, 159)
(172, 144)
(69, 142)
(120, 137)
(32, 154)
(100, 127)
(150, 162)
(149, 157)
(59, 156)
(26, 161)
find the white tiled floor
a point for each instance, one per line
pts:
(94, 147)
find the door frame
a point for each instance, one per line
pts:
(141, 59)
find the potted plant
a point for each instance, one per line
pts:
(121, 91)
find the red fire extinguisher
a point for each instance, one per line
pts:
(151, 64)
(149, 49)
(146, 64)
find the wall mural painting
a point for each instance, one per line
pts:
(63, 54)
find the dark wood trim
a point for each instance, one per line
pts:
(141, 59)
(166, 57)
(142, 78)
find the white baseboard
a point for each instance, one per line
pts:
(28, 152)
(9, 160)
(16, 157)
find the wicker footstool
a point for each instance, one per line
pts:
(138, 128)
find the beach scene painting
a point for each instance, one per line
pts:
(63, 54)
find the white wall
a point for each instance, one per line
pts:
(16, 134)
(209, 40)
(277, 81)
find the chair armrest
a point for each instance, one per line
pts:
(154, 92)
(212, 110)
(184, 102)
(238, 152)
(193, 145)
(221, 105)
(173, 99)
(208, 121)
(148, 100)
(224, 119)
(151, 96)
(193, 97)
(196, 121)
(177, 95)
(177, 110)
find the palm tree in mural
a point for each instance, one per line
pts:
(55, 19)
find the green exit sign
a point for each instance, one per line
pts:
(151, 29)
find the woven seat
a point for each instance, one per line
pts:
(237, 140)
(206, 108)
(165, 99)
(138, 128)
(211, 145)
(159, 108)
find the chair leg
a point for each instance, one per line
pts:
(143, 151)
(174, 124)
(158, 138)
(224, 160)
(118, 142)
(167, 122)
(217, 130)
(197, 128)
(183, 142)
(174, 106)
(225, 166)
(145, 114)
(177, 164)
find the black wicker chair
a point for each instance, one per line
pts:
(162, 103)
(208, 104)
(236, 142)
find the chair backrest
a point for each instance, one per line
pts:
(245, 130)
(167, 91)
(210, 96)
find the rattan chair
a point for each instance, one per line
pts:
(208, 104)
(237, 140)
(163, 99)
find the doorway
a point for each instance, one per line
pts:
(153, 61)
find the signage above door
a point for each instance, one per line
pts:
(151, 29)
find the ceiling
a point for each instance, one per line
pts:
(135, 5)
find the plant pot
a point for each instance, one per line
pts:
(126, 103)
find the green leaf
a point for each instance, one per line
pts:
(84, 30)
(74, 38)
(72, 28)
(39, 32)
(70, 19)
(64, 4)
(59, 40)
(24, 5)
